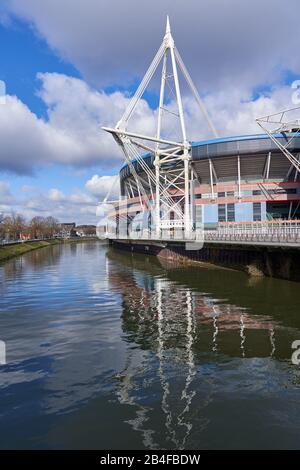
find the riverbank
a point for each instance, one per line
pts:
(11, 251)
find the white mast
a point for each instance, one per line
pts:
(172, 159)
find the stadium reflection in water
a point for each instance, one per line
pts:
(187, 332)
(112, 350)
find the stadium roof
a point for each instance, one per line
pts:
(235, 139)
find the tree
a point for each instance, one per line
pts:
(2, 233)
(37, 227)
(51, 227)
(13, 226)
(41, 227)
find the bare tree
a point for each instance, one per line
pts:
(41, 227)
(51, 227)
(2, 233)
(37, 227)
(13, 226)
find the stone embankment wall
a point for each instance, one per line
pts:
(283, 263)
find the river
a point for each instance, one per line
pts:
(109, 350)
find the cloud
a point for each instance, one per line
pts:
(79, 111)
(102, 186)
(78, 207)
(81, 199)
(5, 19)
(27, 141)
(7, 200)
(71, 134)
(234, 113)
(56, 195)
(232, 43)
(6, 197)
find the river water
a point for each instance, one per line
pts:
(109, 350)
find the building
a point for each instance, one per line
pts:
(67, 230)
(86, 230)
(234, 179)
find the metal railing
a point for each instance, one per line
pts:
(164, 235)
(18, 242)
(281, 232)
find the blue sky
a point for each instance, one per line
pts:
(24, 55)
(70, 66)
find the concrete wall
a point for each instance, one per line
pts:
(283, 263)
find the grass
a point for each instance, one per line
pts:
(11, 251)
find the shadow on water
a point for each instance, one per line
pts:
(110, 350)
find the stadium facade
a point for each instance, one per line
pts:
(234, 179)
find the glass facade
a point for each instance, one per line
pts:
(230, 213)
(226, 212)
(256, 211)
(222, 212)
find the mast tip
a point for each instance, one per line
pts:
(168, 27)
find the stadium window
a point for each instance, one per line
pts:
(256, 212)
(222, 213)
(221, 194)
(230, 193)
(230, 213)
(256, 192)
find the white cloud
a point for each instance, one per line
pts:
(27, 141)
(6, 197)
(234, 113)
(233, 42)
(78, 198)
(101, 186)
(72, 134)
(77, 207)
(56, 195)
(81, 199)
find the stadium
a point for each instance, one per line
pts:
(175, 188)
